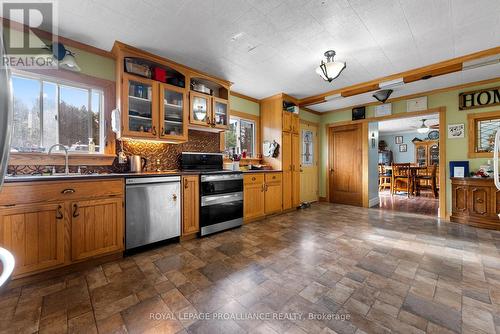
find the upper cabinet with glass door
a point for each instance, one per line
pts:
(140, 107)
(173, 112)
(209, 105)
(160, 99)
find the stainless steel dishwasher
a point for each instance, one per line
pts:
(152, 210)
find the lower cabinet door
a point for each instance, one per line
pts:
(253, 201)
(190, 205)
(273, 197)
(479, 198)
(96, 227)
(35, 236)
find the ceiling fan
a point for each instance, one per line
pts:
(426, 128)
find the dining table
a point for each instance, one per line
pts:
(413, 174)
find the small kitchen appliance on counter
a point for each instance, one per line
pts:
(221, 191)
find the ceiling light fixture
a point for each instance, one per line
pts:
(66, 58)
(382, 95)
(423, 128)
(330, 69)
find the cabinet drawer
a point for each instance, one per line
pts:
(273, 177)
(253, 178)
(49, 191)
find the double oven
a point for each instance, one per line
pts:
(221, 192)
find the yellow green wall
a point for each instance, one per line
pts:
(456, 149)
(244, 105)
(90, 63)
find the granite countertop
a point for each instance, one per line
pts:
(62, 177)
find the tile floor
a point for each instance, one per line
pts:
(353, 270)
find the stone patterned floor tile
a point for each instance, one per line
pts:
(377, 272)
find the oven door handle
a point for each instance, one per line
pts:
(218, 199)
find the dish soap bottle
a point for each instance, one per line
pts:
(91, 145)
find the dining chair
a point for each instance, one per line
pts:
(401, 178)
(384, 178)
(427, 180)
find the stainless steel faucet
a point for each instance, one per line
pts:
(66, 169)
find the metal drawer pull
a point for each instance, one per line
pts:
(479, 200)
(253, 178)
(174, 197)
(75, 210)
(185, 183)
(68, 191)
(59, 214)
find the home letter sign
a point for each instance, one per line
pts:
(479, 98)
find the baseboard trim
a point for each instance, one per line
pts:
(374, 201)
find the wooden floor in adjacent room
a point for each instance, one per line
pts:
(425, 204)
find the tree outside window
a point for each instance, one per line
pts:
(47, 112)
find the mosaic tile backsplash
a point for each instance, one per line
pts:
(167, 155)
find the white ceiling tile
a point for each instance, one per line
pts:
(283, 41)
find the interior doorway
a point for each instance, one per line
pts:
(309, 162)
(345, 161)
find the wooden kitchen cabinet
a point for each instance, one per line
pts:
(140, 107)
(476, 202)
(295, 123)
(263, 195)
(295, 170)
(96, 227)
(190, 205)
(50, 224)
(173, 113)
(35, 235)
(156, 101)
(286, 150)
(273, 193)
(253, 196)
(287, 121)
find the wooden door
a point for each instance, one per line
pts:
(174, 113)
(35, 235)
(200, 107)
(345, 163)
(309, 162)
(287, 121)
(253, 196)
(295, 170)
(273, 193)
(220, 113)
(295, 123)
(286, 149)
(140, 107)
(190, 205)
(96, 227)
(479, 201)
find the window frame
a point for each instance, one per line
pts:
(70, 84)
(255, 120)
(250, 118)
(472, 122)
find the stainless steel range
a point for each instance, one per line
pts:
(221, 192)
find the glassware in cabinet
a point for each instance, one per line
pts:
(220, 113)
(173, 112)
(200, 109)
(140, 107)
